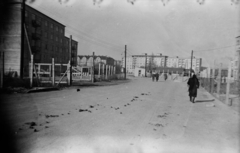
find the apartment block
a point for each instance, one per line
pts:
(47, 40)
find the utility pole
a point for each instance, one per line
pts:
(70, 59)
(93, 68)
(125, 70)
(145, 64)
(191, 64)
(22, 38)
(238, 69)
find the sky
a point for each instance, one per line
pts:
(169, 27)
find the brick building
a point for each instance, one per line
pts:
(47, 40)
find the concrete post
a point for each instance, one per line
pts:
(68, 73)
(212, 77)
(209, 79)
(103, 70)
(228, 85)
(99, 70)
(53, 72)
(219, 80)
(31, 72)
(106, 72)
(39, 68)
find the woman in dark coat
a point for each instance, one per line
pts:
(157, 76)
(193, 84)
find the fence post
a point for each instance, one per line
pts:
(31, 72)
(219, 80)
(209, 79)
(228, 85)
(109, 73)
(112, 71)
(99, 70)
(103, 71)
(106, 72)
(39, 68)
(213, 75)
(53, 72)
(68, 73)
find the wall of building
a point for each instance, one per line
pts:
(10, 36)
(87, 60)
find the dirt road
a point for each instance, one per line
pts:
(135, 117)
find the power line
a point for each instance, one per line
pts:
(85, 36)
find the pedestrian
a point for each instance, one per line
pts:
(193, 85)
(157, 76)
(165, 76)
(153, 75)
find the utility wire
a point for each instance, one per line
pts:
(86, 36)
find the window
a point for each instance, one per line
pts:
(45, 34)
(56, 28)
(56, 38)
(46, 46)
(46, 23)
(26, 14)
(51, 36)
(61, 30)
(60, 40)
(33, 17)
(51, 25)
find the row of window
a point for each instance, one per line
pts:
(41, 21)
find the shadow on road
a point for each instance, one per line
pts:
(207, 100)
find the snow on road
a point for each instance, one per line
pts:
(138, 116)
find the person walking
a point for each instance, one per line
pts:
(165, 76)
(193, 85)
(153, 75)
(157, 76)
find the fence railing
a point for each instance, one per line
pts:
(223, 89)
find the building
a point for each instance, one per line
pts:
(142, 61)
(186, 63)
(87, 60)
(172, 62)
(156, 61)
(65, 59)
(11, 36)
(47, 40)
(234, 67)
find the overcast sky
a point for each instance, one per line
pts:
(147, 26)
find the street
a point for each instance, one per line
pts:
(139, 116)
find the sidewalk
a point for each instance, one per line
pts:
(215, 123)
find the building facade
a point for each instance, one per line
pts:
(44, 39)
(47, 40)
(11, 36)
(87, 60)
(156, 61)
(142, 61)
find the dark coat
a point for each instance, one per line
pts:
(193, 84)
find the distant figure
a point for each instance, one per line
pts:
(153, 75)
(165, 76)
(157, 76)
(193, 85)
